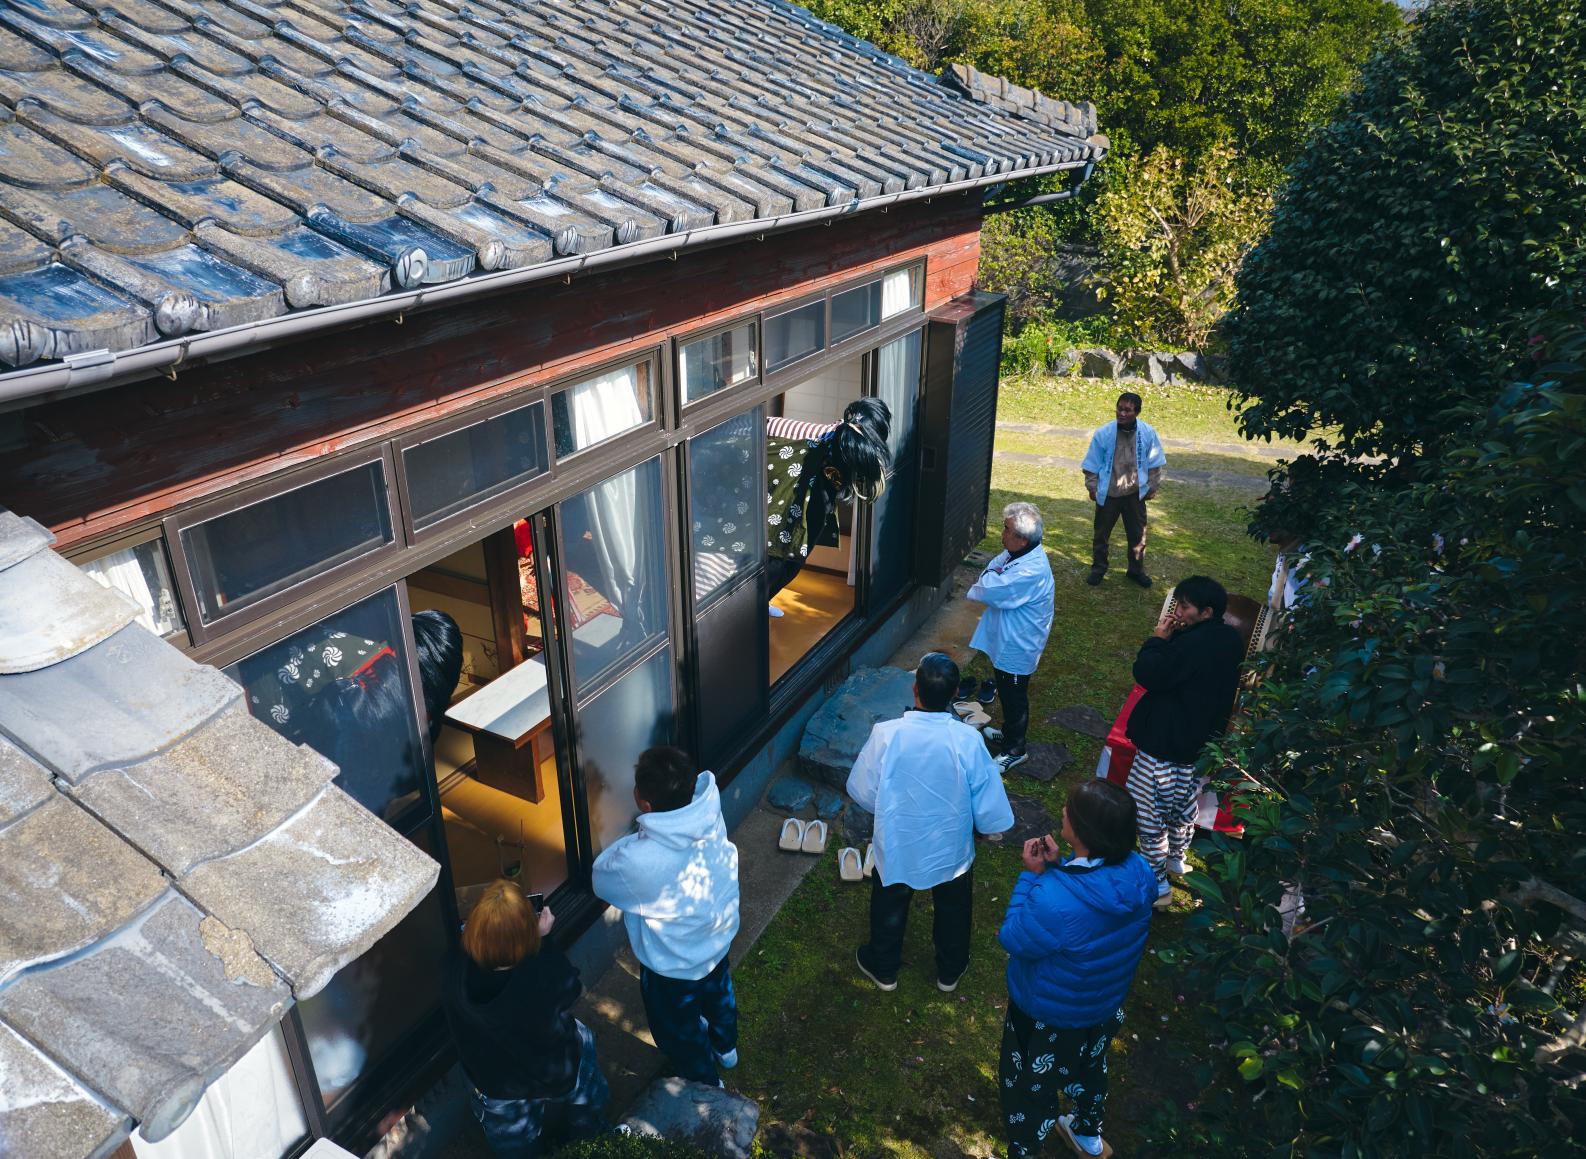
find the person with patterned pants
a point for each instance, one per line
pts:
(1189, 669)
(1075, 931)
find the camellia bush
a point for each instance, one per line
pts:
(1394, 951)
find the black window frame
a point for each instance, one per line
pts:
(488, 500)
(266, 491)
(652, 355)
(687, 405)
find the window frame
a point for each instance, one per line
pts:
(781, 310)
(266, 491)
(137, 537)
(655, 356)
(850, 339)
(486, 500)
(691, 406)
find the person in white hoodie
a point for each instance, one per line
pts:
(676, 882)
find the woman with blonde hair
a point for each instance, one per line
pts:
(509, 998)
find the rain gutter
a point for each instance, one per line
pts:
(100, 369)
(1042, 198)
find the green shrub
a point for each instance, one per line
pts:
(1036, 348)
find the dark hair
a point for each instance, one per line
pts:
(935, 681)
(665, 778)
(859, 450)
(1102, 816)
(1131, 396)
(440, 647)
(1203, 592)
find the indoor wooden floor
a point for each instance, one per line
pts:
(812, 605)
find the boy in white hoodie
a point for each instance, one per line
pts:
(676, 881)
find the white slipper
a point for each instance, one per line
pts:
(775, 612)
(792, 838)
(966, 708)
(870, 859)
(1065, 1127)
(850, 866)
(815, 837)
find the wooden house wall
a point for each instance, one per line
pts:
(100, 463)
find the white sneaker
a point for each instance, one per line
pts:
(729, 1060)
(1081, 1144)
(776, 613)
(1164, 896)
(1009, 761)
(1176, 866)
(994, 735)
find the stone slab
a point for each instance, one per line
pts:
(24, 783)
(1030, 819)
(829, 803)
(1083, 719)
(115, 704)
(44, 1111)
(790, 793)
(718, 1122)
(837, 732)
(21, 537)
(148, 1017)
(67, 881)
(1045, 763)
(219, 790)
(317, 892)
(50, 611)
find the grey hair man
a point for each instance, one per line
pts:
(1017, 589)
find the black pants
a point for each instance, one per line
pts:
(692, 1021)
(952, 902)
(1040, 1062)
(1132, 508)
(1014, 693)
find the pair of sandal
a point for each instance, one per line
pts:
(852, 867)
(803, 836)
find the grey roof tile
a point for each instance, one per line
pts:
(116, 704)
(20, 538)
(351, 882)
(68, 882)
(46, 1112)
(220, 789)
(151, 1015)
(24, 783)
(435, 138)
(50, 611)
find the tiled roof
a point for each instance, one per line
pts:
(172, 873)
(170, 167)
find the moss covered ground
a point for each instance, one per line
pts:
(913, 1072)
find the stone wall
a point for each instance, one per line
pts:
(1153, 366)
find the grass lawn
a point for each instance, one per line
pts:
(913, 1072)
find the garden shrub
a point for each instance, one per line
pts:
(1419, 733)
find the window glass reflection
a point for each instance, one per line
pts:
(601, 409)
(613, 729)
(143, 574)
(791, 336)
(341, 687)
(727, 528)
(371, 1005)
(614, 566)
(453, 472)
(855, 310)
(718, 362)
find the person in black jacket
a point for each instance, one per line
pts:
(1189, 669)
(509, 999)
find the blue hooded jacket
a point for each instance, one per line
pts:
(1074, 936)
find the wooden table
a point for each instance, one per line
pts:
(510, 720)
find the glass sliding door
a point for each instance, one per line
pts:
(727, 536)
(897, 379)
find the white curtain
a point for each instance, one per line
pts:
(601, 408)
(250, 1112)
(122, 571)
(897, 292)
(605, 406)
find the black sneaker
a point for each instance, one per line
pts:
(966, 688)
(1140, 578)
(988, 692)
(888, 984)
(947, 987)
(1094, 578)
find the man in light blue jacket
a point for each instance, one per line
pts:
(1017, 589)
(1123, 469)
(676, 881)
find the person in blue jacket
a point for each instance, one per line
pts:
(1074, 932)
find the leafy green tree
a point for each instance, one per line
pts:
(1423, 228)
(1173, 232)
(1418, 734)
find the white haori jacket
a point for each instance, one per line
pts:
(932, 785)
(1018, 595)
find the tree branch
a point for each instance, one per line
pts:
(1535, 889)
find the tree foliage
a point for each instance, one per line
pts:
(1426, 226)
(1172, 234)
(1418, 736)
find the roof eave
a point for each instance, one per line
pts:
(101, 369)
